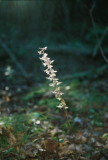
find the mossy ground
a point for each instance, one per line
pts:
(38, 119)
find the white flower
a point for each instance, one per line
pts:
(49, 66)
(45, 55)
(45, 48)
(1, 123)
(42, 49)
(44, 64)
(51, 61)
(47, 71)
(59, 98)
(56, 79)
(39, 52)
(52, 77)
(60, 106)
(43, 58)
(67, 87)
(58, 83)
(38, 122)
(52, 84)
(66, 107)
(54, 71)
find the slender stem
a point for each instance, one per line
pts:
(69, 124)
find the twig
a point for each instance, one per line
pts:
(97, 38)
(100, 42)
(93, 6)
(12, 56)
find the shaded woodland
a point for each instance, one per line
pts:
(76, 35)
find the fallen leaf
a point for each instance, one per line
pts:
(50, 145)
(106, 146)
(72, 147)
(11, 138)
(55, 131)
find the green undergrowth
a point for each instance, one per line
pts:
(79, 95)
(86, 99)
(18, 130)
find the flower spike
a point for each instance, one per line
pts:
(52, 77)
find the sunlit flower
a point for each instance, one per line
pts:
(8, 71)
(67, 87)
(52, 84)
(60, 106)
(52, 77)
(38, 122)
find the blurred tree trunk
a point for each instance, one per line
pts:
(50, 10)
(66, 11)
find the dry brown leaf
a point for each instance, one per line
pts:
(55, 131)
(98, 144)
(79, 148)
(106, 146)
(11, 139)
(50, 145)
(80, 138)
(79, 134)
(96, 155)
(20, 136)
(72, 147)
(8, 98)
(82, 158)
(92, 140)
(7, 131)
(1, 129)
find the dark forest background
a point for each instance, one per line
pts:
(75, 32)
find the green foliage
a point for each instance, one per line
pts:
(80, 96)
(83, 95)
(25, 26)
(3, 141)
(35, 92)
(50, 103)
(105, 136)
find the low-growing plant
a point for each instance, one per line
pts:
(48, 63)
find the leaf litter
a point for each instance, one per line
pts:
(41, 133)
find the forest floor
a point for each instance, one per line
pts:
(32, 128)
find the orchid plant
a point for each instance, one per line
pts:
(51, 75)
